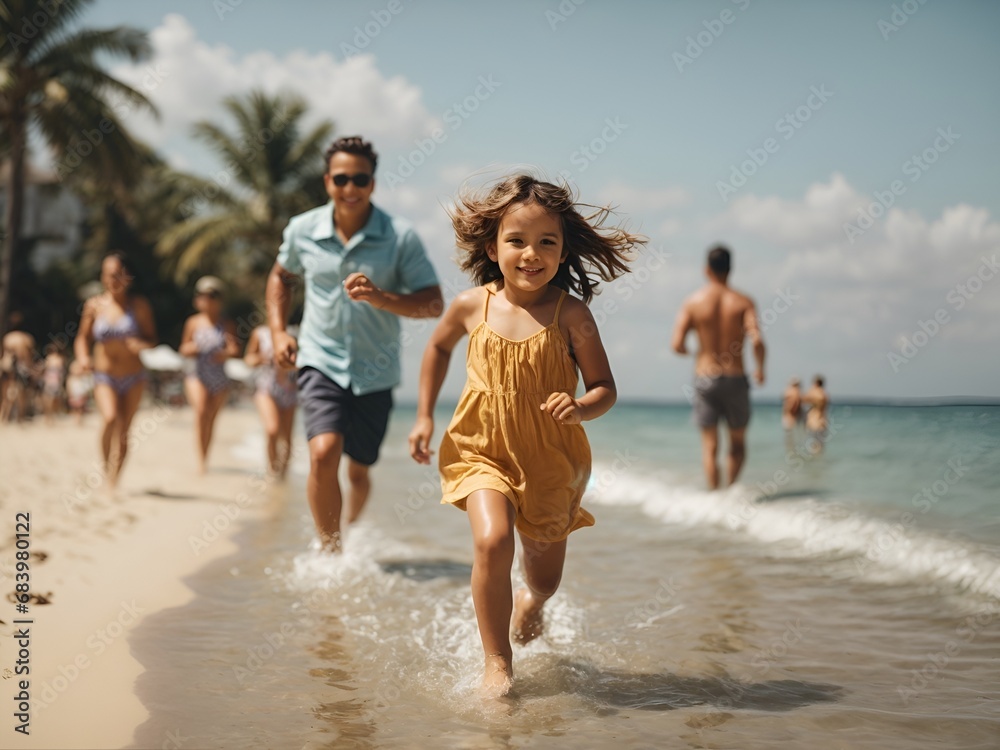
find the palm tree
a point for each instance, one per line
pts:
(271, 174)
(133, 223)
(52, 84)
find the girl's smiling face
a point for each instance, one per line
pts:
(529, 246)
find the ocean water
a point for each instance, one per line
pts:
(845, 600)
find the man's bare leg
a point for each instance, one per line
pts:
(709, 449)
(359, 489)
(323, 487)
(737, 453)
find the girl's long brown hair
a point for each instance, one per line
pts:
(593, 251)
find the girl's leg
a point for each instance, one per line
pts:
(212, 408)
(543, 566)
(128, 405)
(107, 405)
(49, 407)
(491, 517)
(197, 396)
(268, 411)
(286, 421)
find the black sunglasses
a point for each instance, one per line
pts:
(211, 295)
(360, 179)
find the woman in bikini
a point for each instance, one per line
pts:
(116, 325)
(210, 340)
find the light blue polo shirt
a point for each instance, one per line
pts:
(353, 343)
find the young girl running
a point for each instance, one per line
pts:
(276, 396)
(210, 340)
(515, 455)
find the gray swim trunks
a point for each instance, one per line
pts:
(723, 397)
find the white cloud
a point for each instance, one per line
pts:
(874, 295)
(904, 249)
(187, 79)
(964, 226)
(818, 217)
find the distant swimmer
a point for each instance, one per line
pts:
(817, 422)
(791, 408)
(723, 318)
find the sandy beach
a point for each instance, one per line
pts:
(100, 565)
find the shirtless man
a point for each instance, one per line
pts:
(19, 366)
(816, 419)
(791, 409)
(723, 318)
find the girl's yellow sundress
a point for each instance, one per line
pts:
(500, 438)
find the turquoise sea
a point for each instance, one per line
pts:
(845, 600)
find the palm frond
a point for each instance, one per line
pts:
(34, 25)
(306, 156)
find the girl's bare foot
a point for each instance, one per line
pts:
(498, 676)
(528, 621)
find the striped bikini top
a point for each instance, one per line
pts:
(124, 326)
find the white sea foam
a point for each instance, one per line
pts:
(892, 548)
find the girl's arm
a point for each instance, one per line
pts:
(434, 367)
(595, 369)
(253, 356)
(81, 344)
(188, 347)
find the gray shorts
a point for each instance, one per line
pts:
(723, 397)
(362, 420)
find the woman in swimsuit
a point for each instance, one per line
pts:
(117, 325)
(276, 397)
(210, 340)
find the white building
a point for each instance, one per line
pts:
(52, 219)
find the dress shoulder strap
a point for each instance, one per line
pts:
(486, 303)
(562, 296)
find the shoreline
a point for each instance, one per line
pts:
(103, 565)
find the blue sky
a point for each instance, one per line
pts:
(833, 100)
